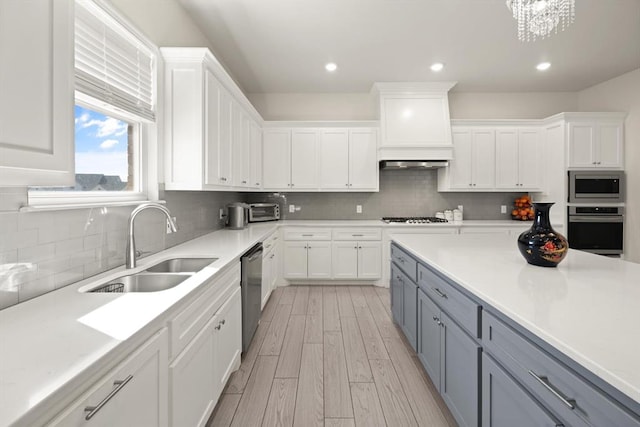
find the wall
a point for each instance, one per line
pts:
(402, 193)
(43, 251)
(362, 106)
(623, 94)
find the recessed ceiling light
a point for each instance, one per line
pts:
(331, 67)
(543, 66)
(438, 66)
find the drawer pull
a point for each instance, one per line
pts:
(357, 235)
(440, 293)
(438, 321)
(307, 235)
(571, 404)
(92, 410)
(401, 259)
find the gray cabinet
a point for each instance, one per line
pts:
(451, 358)
(404, 297)
(505, 403)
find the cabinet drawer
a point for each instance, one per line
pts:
(271, 241)
(565, 393)
(404, 261)
(307, 234)
(464, 310)
(186, 324)
(357, 234)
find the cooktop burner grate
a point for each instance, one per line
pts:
(413, 219)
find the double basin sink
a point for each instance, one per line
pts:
(159, 277)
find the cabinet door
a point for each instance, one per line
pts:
(409, 311)
(246, 152)
(193, 383)
(295, 260)
(483, 168)
(507, 159)
(319, 260)
(304, 158)
(420, 119)
(237, 151)
(334, 159)
(429, 331)
(369, 260)
(36, 87)
(460, 165)
(276, 163)
(226, 103)
(227, 344)
(506, 404)
(529, 164)
(267, 271)
(255, 177)
(582, 145)
(212, 99)
(610, 145)
(460, 373)
(363, 159)
(276, 266)
(345, 260)
(397, 300)
(140, 401)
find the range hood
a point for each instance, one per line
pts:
(413, 164)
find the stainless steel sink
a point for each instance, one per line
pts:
(181, 265)
(141, 282)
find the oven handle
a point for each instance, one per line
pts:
(610, 219)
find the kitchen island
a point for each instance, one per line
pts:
(583, 314)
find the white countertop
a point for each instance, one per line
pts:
(380, 223)
(51, 345)
(588, 307)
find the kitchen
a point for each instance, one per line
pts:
(72, 245)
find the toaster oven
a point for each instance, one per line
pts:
(259, 212)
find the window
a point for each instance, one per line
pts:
(114, 113)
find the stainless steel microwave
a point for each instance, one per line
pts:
(259, 212)
(596, 186)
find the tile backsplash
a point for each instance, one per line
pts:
(402, 193)
(43, 251)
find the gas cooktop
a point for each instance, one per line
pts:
(412, 219)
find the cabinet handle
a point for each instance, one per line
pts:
(570, 403)
(223, 321)
(346, 185)
(440, 293)
(272, 255)
(92, 410)
(355, 247)
(474, 185)
(244, 182)
(350, 185)
(267, 246)
(357, 235)
(438, 321)
(292, 184)
(359, 247)
(401, 259)
(257, 183)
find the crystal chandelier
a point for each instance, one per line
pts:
(538, 18)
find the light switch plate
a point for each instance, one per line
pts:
(292, 208)
(358, 208)
(503, 209)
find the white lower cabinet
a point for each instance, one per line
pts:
(199, 373)
(132, 394)
(356, 260)
(307, 260)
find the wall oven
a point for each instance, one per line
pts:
(597, 229)
(596, 186)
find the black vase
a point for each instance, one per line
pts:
(541, 245)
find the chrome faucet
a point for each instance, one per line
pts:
(130, 261)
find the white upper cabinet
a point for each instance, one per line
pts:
(36, 87)
(414, 121)
(276, 154)
(207, 124)
(518, 159)
(348, 159)
(473, 165)
(320, 159)
(304, 158)
(596, 140)
(255, 162)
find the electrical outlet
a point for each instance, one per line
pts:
(503, 209)
(222, 213)
(358, 208)
(292, 208)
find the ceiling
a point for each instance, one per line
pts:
(282, 45)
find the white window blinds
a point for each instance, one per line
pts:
(112, 64)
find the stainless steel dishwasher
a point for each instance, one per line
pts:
(251, 284)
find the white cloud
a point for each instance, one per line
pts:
(108, 143)
(109, 163)
(107, 127)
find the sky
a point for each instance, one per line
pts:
(101, 143)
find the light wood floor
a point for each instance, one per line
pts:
(330, 356)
